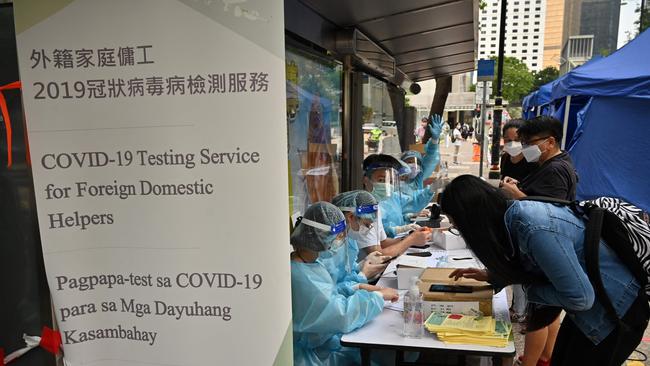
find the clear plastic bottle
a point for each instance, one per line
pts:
(413, 314)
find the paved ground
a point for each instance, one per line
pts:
(466, 166)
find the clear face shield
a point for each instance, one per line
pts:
(362, 226)
(385, 183)
(333, 235)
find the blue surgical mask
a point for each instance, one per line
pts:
(382, 190)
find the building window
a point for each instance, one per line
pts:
(536, 15)
(538, 9)
(536, 44)
(515, 17)
(493, 39)
(534, 64)
(494, 32)
(494, 18)
(534, 57)
(514, 37)
(493, 45)
(536, 23)
(514, 45)
(524, 58)
(525, 37)
(524, 51)
(494, 25)
(525, 23)
(524, 44)
(484, 18)
(482, 52)
(536, 30)
(526, 16)
(494, 11)
(482, 39)
(535, 37)
(492, 53)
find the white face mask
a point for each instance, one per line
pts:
(532, 153)
(513, 148)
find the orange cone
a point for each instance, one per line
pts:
(476, 157)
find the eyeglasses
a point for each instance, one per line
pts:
(530, 142)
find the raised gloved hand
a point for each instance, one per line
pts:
(435, 127)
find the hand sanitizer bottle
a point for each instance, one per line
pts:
(413, 314)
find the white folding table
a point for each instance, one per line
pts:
(385, 332)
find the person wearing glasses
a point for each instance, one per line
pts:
(554, 177)
(321, 314)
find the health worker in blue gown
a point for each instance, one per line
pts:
(422, 167)
(382, 179)
(321, 313)
(360, 211)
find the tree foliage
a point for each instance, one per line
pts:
(517, 80)
(544, 76)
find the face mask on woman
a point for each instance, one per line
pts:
(513, 148)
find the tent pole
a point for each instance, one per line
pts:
(539, 110)
(567, 107)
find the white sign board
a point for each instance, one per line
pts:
(158, 138)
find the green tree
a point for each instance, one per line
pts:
(544, 76)
(646, 18)
(517, 80)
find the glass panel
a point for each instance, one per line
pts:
(379, 126)
(314, 127)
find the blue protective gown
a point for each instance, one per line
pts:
(344, 269)
(394, 208)
(430, 160)
(321, 315)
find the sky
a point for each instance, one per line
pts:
(627, 19)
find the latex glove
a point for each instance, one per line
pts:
(376, 258)
(406, 228)
(420, 237)
(435, 127)
(389, 294)
(372, 270)
(367, 287)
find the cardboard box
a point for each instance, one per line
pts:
(479, 299)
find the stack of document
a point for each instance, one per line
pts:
(467, 329)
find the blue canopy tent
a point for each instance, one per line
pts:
(612, 129)
(539, 102)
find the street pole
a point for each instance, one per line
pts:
(641, 16)
(498, 101)
(483, 113)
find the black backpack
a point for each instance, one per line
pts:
(625, 229)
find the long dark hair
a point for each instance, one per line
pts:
(477, 209)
